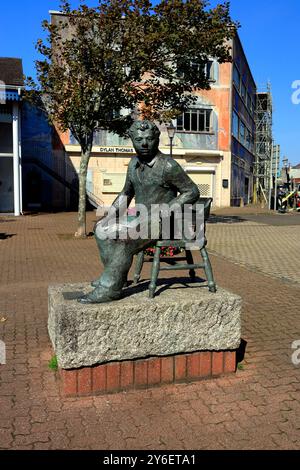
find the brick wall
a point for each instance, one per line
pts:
(146, 373)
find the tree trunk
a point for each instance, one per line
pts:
(84, 162)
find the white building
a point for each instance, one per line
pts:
(11, 85)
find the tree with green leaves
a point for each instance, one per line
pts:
(100, 64)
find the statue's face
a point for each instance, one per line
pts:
(145, 144)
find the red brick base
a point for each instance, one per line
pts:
(146, 373)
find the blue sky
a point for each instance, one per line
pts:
(269, 33)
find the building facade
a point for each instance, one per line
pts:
(32, 156)
(43, 156)
(214, 140)
(11, 85)
(201, 145)
(294, 174)
(244, 95)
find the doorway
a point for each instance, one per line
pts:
(33, 190)
(246, 197)
(6, 184)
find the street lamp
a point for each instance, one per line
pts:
(171, 129)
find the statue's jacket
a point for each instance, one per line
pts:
(157, 182)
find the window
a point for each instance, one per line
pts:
(249, 102)
(5, 113)
(208, 69)
(236, 77)
(195, 120)
(73, 140)
(252, 143)
(5, 109)
(243, 91)
(248, 139)
(235, 125)
(242, 132)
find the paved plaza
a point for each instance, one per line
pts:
(267, 243)
(257, 408)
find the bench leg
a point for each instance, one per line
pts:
(208, 270)
(154, 272)
(138, 266)
(189, 259)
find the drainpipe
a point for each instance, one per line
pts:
(20, 152)
(16, 158)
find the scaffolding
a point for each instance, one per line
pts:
(264, 145)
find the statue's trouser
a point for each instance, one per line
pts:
(116, 256)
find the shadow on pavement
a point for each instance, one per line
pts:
(225, 219)
(5, 236)
(240, 354)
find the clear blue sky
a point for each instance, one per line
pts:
(269, 33)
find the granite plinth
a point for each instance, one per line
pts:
(178, 320)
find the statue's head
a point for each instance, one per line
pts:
(145, 139)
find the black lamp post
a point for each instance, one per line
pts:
(171, 133)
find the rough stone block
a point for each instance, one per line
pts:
(179, 320)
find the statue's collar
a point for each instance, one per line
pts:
(141, 163)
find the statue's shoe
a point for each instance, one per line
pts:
(100, 295)
(95, 283)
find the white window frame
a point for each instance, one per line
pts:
(208, 119)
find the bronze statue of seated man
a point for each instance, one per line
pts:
(152, 179)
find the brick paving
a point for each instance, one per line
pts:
(258, 408)
(272, 250)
